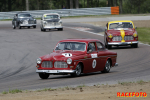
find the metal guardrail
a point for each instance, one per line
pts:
(62, 12)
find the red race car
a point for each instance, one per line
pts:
(119, 33)
(76, 56)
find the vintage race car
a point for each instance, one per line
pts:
(76, 56)
(23, 20)
(120, 33)
(51, 21)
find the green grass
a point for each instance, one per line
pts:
(144, 35)
(15, 91)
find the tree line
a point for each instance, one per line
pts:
(126, 6)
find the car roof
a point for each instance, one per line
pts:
(80, 40)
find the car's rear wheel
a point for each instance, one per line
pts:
(107, 67)
(43, 75)
(28, 26)
(34, 26)
(78, 70)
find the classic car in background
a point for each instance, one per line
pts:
(76, 56)
(120, 33)
(23, 20)
(51, 21)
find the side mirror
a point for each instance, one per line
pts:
(89, 51)
(135, 27)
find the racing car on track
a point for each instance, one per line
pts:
(23, 20)
(118, 33)
(51, 21)
(76, 56)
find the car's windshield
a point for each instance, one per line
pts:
(120, 25)
(79, 46)
(50, 16)
(24, 15)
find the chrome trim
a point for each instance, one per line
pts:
(55, 71)
(60, 64)
(27, 24)
(47, 64)
(122, 43)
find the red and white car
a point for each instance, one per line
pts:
(76, 56)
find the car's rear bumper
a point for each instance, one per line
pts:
(122, 43)
(55, 71)
(116, 64)
(27, 25)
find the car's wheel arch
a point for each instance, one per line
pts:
(82, 66)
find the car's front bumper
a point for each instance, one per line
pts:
(122, 43)
(52, 27)
(55, 71)
(27, 25)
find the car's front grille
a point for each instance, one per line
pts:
(128, 37)
(117, 38)
(60, 64)
(53, 24)
(31, 22)
(47, 64)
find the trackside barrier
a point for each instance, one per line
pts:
(65, 12)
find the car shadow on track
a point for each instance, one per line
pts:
(121, 47)
(82, 75)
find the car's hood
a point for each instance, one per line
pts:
(61, 55)
(118, 32)
(52, 20)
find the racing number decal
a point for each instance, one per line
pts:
(94, 63)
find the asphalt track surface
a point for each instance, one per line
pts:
(19, 49)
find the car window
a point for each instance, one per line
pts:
(78, 46)
(24, 15)
(99, 46)
(91, 46)
(120, 25)
(50, 16)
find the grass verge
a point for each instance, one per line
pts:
(144, 35)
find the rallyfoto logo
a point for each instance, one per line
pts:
(132, 94)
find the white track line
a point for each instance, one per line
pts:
(97, 34)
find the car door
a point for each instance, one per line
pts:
(101, 56)
(92, 57)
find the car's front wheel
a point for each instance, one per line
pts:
(78, 70)
(19, 26)
(34, 26)
(134, 45)
(14, 26)
(60, 29)
(43, 75)
(107, 67)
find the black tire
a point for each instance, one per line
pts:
(19, 26)
(107, 67)
(34, 26)
(28, 26)
(43, 75)
(134, 45)
(14, 27)
(60, 29)
(78, 71)
(109, 46)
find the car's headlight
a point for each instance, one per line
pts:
(38, 61)
(44, 22)
(110, 36)
(135, 34)
(69, 61)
